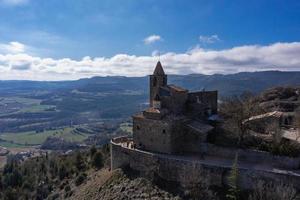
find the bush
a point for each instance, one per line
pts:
(67, 188)
(10, 194)
(93, 150)
(79, 161)
(62, 172)
(68, 194)
(97, 160)
(285, 148)
(80, 179)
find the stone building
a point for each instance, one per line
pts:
(177, 120)
(169, 144)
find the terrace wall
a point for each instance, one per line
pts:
(189, 172)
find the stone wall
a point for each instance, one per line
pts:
(208, 98)
(176, 102)
(189, 172)
(154, 135)
(251, 156)
(119, 155)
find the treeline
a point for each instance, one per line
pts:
(37, 178)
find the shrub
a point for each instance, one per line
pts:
(80, 179)
(285, 148)
(79, 161)
(97, 160)
(10, 194)
(67, 188)
(62, 172)
(93, 150)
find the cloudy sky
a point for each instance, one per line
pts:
(72, 39)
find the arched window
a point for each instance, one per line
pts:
(138, 127)
(164, 131)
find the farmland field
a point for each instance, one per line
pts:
(32, 138)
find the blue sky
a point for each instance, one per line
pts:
(33, 30)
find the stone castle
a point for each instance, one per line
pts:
(170, 143)
(176, 120)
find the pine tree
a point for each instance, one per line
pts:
(79, 162)
(233, 192)
(97, 160)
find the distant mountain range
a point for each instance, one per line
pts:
(44, 105)
(226, 84)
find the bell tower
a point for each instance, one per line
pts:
(157, 80)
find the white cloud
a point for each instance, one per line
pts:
(277, 56)
(209, 39)
(152, 39)
(12, 47)
(14, 2)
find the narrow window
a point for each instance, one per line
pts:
(154, 81)
(138, 127)
(164, 131)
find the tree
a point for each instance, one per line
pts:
(97, 160)
(10, 194)
(233, 192)
(79, 161)
(274, 130)
(93, 150)
(62, 172)
(297, 123)
(235, 110)
(80, 179)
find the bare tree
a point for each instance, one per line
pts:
(236, 110)
(273, 128)
(197, 185)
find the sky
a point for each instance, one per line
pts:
(72, 39)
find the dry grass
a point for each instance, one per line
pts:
(273, 191)
(90, 188)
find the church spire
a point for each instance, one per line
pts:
(159, 70)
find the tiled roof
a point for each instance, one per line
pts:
(152, 110)
(177, 88)
(199, 127)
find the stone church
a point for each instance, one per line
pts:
(177, 121)
(170, 143)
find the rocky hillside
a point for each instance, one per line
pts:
(79, 175)
(117, 185)
(285, 99)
